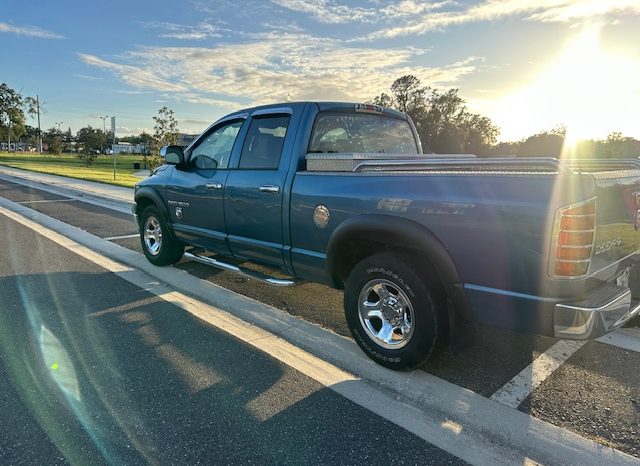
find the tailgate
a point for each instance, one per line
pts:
(617, 222)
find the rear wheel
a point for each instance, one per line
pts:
(158, 244)
(390, 311)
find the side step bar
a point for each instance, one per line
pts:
(239, 270)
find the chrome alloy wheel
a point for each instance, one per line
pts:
(386, 314)
(152, 235)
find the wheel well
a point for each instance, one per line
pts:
(355, 249)
(142, 203)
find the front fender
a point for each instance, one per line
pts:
(147, 195)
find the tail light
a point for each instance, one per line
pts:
(572, 240)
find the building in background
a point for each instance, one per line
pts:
(185, 139)
(128, 148)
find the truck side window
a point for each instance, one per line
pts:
(214, 150)
(263, 145)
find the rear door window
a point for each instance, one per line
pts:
(263, 145)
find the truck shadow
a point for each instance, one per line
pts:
(101, 371)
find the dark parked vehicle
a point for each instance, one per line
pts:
(423, 245)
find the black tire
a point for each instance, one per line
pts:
(164, 249)
(389, 272)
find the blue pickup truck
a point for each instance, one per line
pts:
(423, 245)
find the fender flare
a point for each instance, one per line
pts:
(155, 197)
(405, 234)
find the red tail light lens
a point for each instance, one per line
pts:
(578, 222)
(575, 238)
(574, 253)
(572, 240)
(571, 269)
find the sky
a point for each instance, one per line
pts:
(530, 66)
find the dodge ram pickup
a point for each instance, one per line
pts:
(422, 245)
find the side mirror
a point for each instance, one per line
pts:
(173, 155)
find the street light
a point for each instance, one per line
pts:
(104, 128)
(58, 123)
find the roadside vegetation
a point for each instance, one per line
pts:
(101, 170)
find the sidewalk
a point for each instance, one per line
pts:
(105, 191)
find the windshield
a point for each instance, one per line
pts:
(362, 133)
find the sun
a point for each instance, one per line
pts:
(588, 89)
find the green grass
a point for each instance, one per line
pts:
(69, 165)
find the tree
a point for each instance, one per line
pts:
(11, 114)
(91, 140)
(54, 139)
(618, 146)
(441, 118)
(165, 132)
(544, 144)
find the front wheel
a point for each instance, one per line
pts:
(158, 244)
(390, 311)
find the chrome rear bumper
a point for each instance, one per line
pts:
(605, 310)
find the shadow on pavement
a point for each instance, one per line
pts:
(95, 370)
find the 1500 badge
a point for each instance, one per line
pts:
(178, 203)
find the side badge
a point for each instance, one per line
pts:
(321, 216)
(179, 212)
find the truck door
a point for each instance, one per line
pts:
(195, 192)
(254, 194)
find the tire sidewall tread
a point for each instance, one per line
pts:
(400, 270)
(171, 250)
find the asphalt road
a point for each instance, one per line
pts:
(94, 370)
(594, 393)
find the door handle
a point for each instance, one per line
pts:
(269, 188)
(213, 185)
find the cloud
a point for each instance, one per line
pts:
(200, 31)
(87, 77)
(138, 77)
(328, 11)
(331, 12)
(302, 66)
(489, 10)
(30, 31)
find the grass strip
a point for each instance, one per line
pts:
(69, 165)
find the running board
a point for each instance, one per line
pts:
(239, 270)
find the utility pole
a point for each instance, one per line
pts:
(104, 127)
(113, 147)
(104, 132)
(39, 131)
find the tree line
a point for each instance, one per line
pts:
(87, 142)
(446, 126)
(443, 121)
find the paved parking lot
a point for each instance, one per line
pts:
(592, 390)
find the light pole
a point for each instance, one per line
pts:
(58, 123)
(104, 118)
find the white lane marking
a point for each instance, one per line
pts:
(626, 338)
(111, 238)
(452, 418)
(44, 201)
(517, 389)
